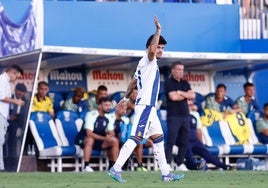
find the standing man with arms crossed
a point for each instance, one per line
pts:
(9, 76)
(146, 123)
(178, 116)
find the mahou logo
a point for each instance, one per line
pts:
(220, 77)
(194, 77)
(107, 75)
(27, 76)
(66, 75)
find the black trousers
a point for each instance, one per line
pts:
(178, 134)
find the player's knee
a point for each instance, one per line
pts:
(136, 139)
(114, 141)
(158, 139)
(88, 142)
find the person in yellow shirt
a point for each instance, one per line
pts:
(41, 101)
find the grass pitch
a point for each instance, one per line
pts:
(209, 179)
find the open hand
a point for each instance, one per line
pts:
(156, 22)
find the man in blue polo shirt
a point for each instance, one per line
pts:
(99, 127)
(219, 101)
(248, 102)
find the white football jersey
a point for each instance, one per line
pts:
(148, 81)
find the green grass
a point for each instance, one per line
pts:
(210, 179)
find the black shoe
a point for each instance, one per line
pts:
(231, 168)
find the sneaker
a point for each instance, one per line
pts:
(173, 177)
(142, 169)
(182, 167)
(203, 165)
(231, 168)
(88, 169)
(116, 175)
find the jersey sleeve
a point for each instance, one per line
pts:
(90, 120)
(111, 118)
(2, 91)
(198, 123)
(261, 125)
(34, 108)
(187, 86)
(231, 102)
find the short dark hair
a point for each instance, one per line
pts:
(248, 84)
(42, 83)
(221, 86)
(79, 90)
(102, 88)
(174, 64)
(21, 87)
(103, 99)
(162, 40)
(265, 105)
(16, 68)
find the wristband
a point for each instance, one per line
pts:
(125, 99)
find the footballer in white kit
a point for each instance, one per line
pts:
(146, 123)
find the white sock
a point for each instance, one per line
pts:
(160, 157)
(124, 154)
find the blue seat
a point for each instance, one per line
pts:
(218, 138)
(117, 96)
(57, 99)
(199, 99)
(46, 136)
(68, 125)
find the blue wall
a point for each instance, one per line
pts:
(261, 84)
(187, 27)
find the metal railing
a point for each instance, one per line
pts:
(253, 19)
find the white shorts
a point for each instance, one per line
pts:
(146, 122)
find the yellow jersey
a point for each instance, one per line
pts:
(239, 126)
(45, 105)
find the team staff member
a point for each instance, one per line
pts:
(93, 102)
(9, 76)
(196, 147)
(248, 102)
(99, 127)
(41, 101)
(262, 126)
(178, 118)
(76, 103)
(17, 122)
(219, 101)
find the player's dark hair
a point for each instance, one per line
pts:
(162, 40)
(174, 64)
(16, 68)
(103, 99)
(221, 86)
(43, 83)
(79, 91)
(265, 105)
(248, 84)
(102, 88)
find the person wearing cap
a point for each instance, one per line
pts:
(17, 122)
(9, 76)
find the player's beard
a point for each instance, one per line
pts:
(106, 111)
